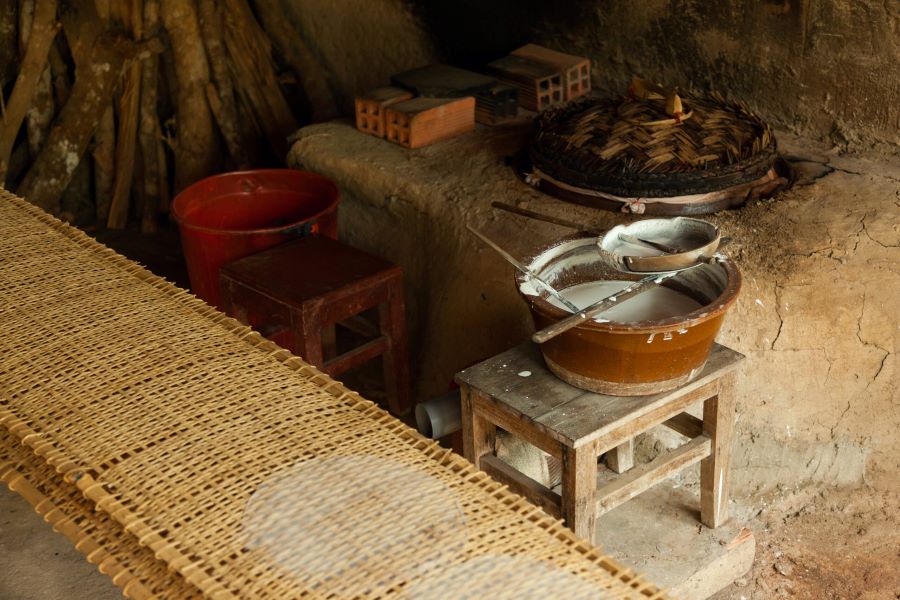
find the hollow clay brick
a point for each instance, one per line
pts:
(576, 70)
(539, 84)
(370, 108)
(422, 121)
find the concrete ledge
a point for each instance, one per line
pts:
(659, 534)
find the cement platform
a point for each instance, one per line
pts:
(659, 534)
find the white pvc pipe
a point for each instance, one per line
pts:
(439, 416)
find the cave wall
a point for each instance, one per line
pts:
(360, 44)
(823, 68)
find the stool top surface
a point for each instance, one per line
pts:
(309, 268)
(571, 415)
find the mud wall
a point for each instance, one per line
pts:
(818, 395)
(825, 68)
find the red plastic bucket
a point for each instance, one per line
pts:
(226, 217)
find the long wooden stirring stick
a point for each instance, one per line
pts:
(580, 316)
(547, 218)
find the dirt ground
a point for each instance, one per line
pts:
(825, 544)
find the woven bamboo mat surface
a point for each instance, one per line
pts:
(244, 470)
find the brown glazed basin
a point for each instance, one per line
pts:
(631, 358)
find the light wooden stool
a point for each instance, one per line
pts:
(517, 392)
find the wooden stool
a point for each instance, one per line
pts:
(295, 293)
(517, 392)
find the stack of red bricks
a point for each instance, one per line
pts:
(439, 102)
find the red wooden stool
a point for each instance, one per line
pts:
(295, 293)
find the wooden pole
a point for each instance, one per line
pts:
(149, 126)
(126, 144)
(76, 122)
(290, 43)
(104, 154)
(250, 53)
(40, 111)
(196, 153)
(43, 30)
(221, 94)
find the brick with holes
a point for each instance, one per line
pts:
(539, 84)
(422, 121)
(575, 70)
(370, 108)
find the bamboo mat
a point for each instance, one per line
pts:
(187, 456)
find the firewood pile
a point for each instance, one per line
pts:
(111, 107)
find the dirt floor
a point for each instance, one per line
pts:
(824, 544)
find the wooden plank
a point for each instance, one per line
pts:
(519, 426)
(686, 424)
(646, 421)
(640, 478)
(478, 432)
(579, 489)
(582, 416)
(536, 394)
(357, 356)
(530, 396)
(718, 424)
(499, 374)
(523, 485)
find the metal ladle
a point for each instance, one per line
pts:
(531, 274)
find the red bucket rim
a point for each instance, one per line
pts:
(253, 172)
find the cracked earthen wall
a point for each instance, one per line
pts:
(818, 316)
(822, 68)
(818, 397)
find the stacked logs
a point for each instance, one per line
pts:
(109, 107)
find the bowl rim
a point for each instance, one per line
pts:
(705, 313)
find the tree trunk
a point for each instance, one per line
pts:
(52, 169)
(254, 75)
(221, 95)
(104, 154)
(195, 142)
(149, 126)
(43, 30)
(9, 51)
(296, 53)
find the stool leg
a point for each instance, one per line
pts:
(718, 424)
(478, 432)
(308, 336)
(329, 342)
(579, 487)
(392, 322)
(621, 458)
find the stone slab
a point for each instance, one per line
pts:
(659, 534)
(36, 563)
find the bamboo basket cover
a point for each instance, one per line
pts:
(242, 469)
(630, 147)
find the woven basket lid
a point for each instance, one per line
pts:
(652, 143)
